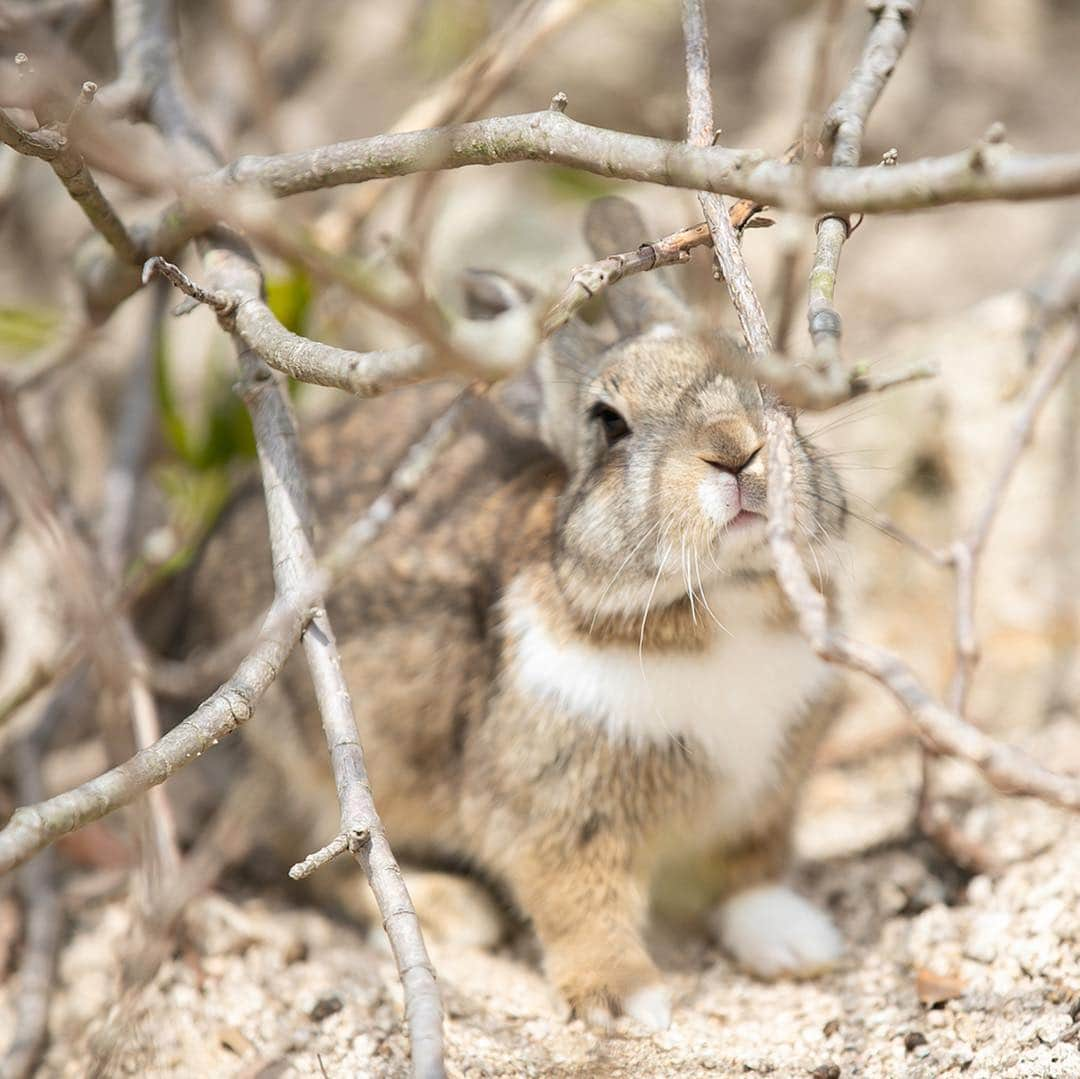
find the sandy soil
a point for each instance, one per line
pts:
(946, 975)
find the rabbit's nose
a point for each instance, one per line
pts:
(733, 464)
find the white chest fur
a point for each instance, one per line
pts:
(736, 700)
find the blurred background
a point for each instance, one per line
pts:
(952, 285)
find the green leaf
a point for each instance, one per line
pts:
(290, 300)
(228, 435)
(448, 31)
(195, 499)
(579, 186)
(26, 329)
(173, 423)
(228, 428)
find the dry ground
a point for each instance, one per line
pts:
(260, 988)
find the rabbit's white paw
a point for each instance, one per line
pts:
(650, 1006)
(773, 933)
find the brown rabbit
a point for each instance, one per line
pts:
(571, 663)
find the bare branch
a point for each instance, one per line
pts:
(554, 137)
(801, 384)
(995, 172)
(294, 563)
(700, 130)
(324, 855)
(365, 374)
(33, 827)
(218, 302)
(40, 678)
(943, 730)
(965, 554)
(19, 14)
(467, 90)
(235, 272)
(594, 277)
(1055, 296)
(68, 164)
(843, 133)
(37, 887)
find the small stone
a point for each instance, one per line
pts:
(934, 989)
(235, 1041)
(979, 890)
(1053, 1027)
(826, 1071)
(325, 1007)
(963, 1054)
(913, 1039)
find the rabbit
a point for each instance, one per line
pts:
(572, 666)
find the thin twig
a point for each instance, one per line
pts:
(963, 556)
(845, 122)
(1054, 297)
(1006, 768)
(337, 846)
(37, 887)
(187, 678)
(800, 383)
(294, 564)
(365, 374)
(218, 302)
(73, 172)
(33, 827)
(147, 32)
(124, 476)
(701, 133)
(20, 14)
(40, 678)
(994, 172)
(465, 93)
(594, 277)
(965, 553)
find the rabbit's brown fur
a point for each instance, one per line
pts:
(568, 668)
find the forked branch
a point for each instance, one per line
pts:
(551, 137)
(1006, 768)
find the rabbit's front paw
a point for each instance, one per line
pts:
(600, 1005)
(774, 933)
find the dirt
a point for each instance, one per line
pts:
(946, 974)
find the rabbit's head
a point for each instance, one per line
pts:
(662, 435)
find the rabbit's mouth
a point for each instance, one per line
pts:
(745, 519)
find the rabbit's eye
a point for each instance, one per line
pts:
(611, 423)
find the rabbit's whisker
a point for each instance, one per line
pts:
(615, 577)
(821, 575)
(704, 601)
(641, 635)
(684, 565)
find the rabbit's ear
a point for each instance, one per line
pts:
(643, 301)
(567, 362)
(489, 293)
